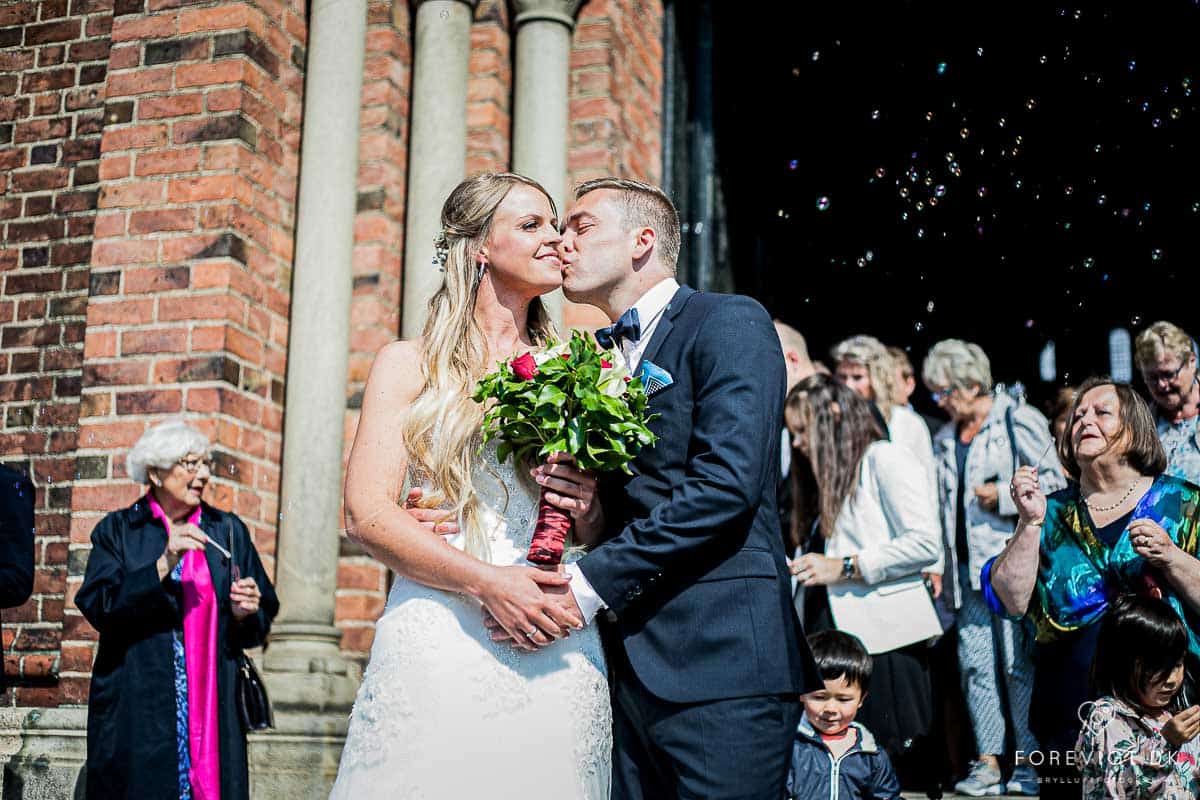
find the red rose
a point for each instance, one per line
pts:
(628, 379)
(524, 367)
(605, 363)
(566, 356)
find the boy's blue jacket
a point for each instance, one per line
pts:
(864, 772)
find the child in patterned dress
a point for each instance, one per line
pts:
(1136, 742)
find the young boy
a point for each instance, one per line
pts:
(833, 755)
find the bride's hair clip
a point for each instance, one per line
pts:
(441, 251)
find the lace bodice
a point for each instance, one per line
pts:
(443, 711)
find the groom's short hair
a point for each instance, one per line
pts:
(644, 206)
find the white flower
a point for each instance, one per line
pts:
(613, 379)
(557, 351)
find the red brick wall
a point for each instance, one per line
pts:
(489, 90)
(167, 292)
(191, 264)
(616, 102)
(378, 253)
(53, 60)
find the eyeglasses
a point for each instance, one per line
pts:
(1152, 378)
(939, 396)
(192, 465)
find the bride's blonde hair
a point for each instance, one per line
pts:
(443, 430)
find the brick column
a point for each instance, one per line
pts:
(616, 102)
(489, 90)
(191, 264)
(53, 61)
(375, 308)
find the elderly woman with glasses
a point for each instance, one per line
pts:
(1123, 526)
(1166, 357)
(176, 591)
(988, 438)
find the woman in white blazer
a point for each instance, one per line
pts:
(861, 572)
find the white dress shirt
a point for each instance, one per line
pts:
(650, 308)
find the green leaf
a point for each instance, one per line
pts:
(552, 395)
(575, 437)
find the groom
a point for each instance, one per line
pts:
(706, 655)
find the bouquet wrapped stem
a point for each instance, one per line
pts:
(550, 534)
(565, 398)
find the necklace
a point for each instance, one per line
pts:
(1087, 502)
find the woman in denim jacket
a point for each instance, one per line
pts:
(976, 453)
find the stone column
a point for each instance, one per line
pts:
(540, 106)
(304, 667)
(437, 143)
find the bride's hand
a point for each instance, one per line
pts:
(518, 599)
(438, 520)
(574, 491)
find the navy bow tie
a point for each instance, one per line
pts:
(627, 327)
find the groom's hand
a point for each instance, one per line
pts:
(574, 491)
(526, 604)
(563, 595)
(438, 520)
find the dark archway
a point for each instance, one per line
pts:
(1014, 174)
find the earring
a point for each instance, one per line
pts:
(479, 275)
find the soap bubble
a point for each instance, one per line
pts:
(822, 203)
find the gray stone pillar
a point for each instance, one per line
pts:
(51, 749)
(437, 143)
(540, 105)
(303, 665)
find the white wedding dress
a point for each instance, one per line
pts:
(444, 713)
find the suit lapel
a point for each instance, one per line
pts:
(663, 329)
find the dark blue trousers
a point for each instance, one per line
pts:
(737, 749)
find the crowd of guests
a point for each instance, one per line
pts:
(1041, 567)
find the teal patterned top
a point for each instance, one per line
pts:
(1079, 574)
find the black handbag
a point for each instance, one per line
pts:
(254, 706)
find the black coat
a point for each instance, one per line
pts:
(16, 542)
(692, 567)
(131, 710)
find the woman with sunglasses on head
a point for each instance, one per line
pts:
(989, 434)
(1166, 357)
(176, 590)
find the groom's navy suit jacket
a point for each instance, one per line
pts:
(692, 566)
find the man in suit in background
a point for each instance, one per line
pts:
(16, 542)
(706, 656)
(799, 366)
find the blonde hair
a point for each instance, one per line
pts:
(1160, 339)
(443, 430)
(869, 352)
(644, 206)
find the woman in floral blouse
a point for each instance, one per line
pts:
(1136, 741)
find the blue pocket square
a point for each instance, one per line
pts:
(654, 378)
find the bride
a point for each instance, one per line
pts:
(443, 711)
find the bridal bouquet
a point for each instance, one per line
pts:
(565, 398)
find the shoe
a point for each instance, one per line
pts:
(983, 780)
(1024, 781)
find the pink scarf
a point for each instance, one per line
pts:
(200, 655)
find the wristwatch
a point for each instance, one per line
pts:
(848, 567)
